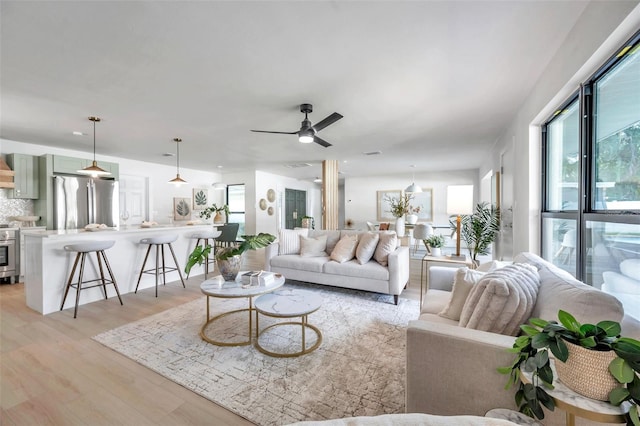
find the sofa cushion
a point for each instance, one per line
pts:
(559, 290)
(313, 247)
(345, 250)
(386, 245)
(295, 261)
(366, 247)
(435, 301)
(435, 318)
(333, 236)
(463, 282)
(289, 240)
(502, 300)
(370, 270)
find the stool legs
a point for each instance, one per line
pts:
(156, 271)
(81, 257)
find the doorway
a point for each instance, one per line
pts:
(295, 207)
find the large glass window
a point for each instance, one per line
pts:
(617, 136)
(235, 201)
(591, 199)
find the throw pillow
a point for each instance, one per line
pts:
(366, 247)
(289, 240)
(386, 246)
(313, 247)
(463, 282)
(502, 300)
(345, 250)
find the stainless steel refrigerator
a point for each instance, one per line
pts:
(78, 201)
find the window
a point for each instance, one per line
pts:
(591, 181)
(235, 201)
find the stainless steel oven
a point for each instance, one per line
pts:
(9, 255)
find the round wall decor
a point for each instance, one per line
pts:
(271, 195)
(263, 204)
(270, 211)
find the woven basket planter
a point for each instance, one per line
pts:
(587, 372)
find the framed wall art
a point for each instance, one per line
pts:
(383, 206)
(200, 199)
(181, 209)
(424, 201)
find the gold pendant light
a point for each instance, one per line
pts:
(93, 169)
(177, 180)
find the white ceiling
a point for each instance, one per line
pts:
(431, 84)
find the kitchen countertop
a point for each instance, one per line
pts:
(43, 233)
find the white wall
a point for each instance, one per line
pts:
(600, 31)
(161, 193)
(360, 193)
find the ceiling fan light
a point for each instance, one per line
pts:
(305, 136)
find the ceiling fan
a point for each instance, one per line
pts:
(308, 132)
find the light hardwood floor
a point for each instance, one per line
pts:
(52, 373)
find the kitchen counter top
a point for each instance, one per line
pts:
(43, 233)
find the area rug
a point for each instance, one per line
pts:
(358, 370)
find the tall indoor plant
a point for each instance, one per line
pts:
(480, 229)
(541, 336)
(229, 259)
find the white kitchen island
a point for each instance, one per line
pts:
(48, 265)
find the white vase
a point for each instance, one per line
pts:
(412, 219)
(436, 251)
(400, 227)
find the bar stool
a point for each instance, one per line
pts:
(206, 236)
(82, 249)
(159, 242)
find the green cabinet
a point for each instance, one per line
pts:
(27, 173)
(71, 165)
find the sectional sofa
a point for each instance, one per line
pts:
(389, 276)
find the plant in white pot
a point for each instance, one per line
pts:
(216, 212)
(435, 244)
(412, 217)
(229, 259)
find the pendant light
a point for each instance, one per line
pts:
(93, 169)
(413, 187)
(177, 180)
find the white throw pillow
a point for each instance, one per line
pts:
(289, 240)
(366, 247)
(463, 282)
(345, 250)
(502, 300)
(313, 247)
(386, 246)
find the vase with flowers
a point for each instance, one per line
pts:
(399, 207)
(412, 215)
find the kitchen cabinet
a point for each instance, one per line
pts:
(27, 173)
(71, 165)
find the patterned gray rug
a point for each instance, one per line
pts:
(359, 369)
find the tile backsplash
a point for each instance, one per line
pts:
(10, 207)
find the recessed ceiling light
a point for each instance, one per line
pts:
(372, 153)
(79, 134)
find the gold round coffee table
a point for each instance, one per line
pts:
(217, 287)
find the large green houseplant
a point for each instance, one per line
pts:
(480, 229)
(229, 259)
(541, 336)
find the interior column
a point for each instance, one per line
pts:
(330, 194)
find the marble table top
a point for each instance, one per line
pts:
(217, 287)
(288, 302)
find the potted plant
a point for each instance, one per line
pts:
(229, 259)
(562, 339)
(435, 244)
(480, 229)
(308, 222)
(399, 208)
(216, 212)
(412, 216)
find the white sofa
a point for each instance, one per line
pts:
(371, 276)
(452, 370)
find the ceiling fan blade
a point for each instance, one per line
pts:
(321, 141)
(327, 121)
(280, 133)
